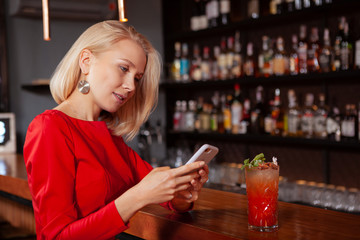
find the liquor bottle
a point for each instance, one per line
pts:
(293, 116)
(326, 54)
(298, 4)
(230, 56)
(190, 116)
(307, 119)
(357, 54)
(236, 69)
(221, 109)
(294, 57)
(313, 51)
(199, 110)
(184, 63)
(225, 7)
(272, 6)
(236, 110)
(302, 50)
(175, 67)
(205, 118)
(212, 13)
(182, 124)
(195, 68)
(205, 65)
(265, 62)
(222, 63)
(257, 114)
(214, 118)
(269, 124)
(249, 64)
(246, 119)
(337, 45)
(203, 21)
(307, 3)
(345, 49)
(320, 118)
(177, 116)
(215, 71)
(253, 9)
(333, 122)
(349, 124)
(227, 114)
(195, 18)
(277, 115)
(280, 58)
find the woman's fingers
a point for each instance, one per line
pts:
(188, 168)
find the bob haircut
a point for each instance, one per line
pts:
(99, 38)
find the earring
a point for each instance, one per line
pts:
(84, 86)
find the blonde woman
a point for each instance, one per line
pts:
(86, 183)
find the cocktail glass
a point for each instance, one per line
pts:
(262, 187)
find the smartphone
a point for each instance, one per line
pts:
(205, 153)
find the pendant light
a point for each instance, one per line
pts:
(46, 21)
(122, 17)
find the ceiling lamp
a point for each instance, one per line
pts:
(46, 21)
(122, 17)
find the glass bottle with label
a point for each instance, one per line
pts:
(215, 71)
(313, 51)
(212, 13)
(265, 62)
(307, 119)
(258, 112)
(203, 21)
(293, 116)
(326, 54)
(333, 122)
(345, 49)
(236, 110)
(320, 117)
(227, 114)
(253, 9)
(225, 7)
(177, 116)
(222, 63)
(190, 116)
(214, 118)
(184, 63)
(205, 65)
(294, 57)
(277, 115)
(302, 50)
(230, 56)
(195, 69)
(236, 69)
(348, 124)
(280, 58)
(195, 18)
(249, 64)
(175, 67)
(222, 106)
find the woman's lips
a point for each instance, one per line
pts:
(119, 97)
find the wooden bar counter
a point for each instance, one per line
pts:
(217, 215)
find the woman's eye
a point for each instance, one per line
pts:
(124, 69)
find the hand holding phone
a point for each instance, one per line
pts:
(205, 153)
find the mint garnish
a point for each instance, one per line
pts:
(260, 158)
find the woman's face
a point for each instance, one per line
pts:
(114, 74)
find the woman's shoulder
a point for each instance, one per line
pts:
(49, 119)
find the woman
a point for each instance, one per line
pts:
(86, 183)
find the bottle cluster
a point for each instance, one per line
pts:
(236, 114)
(227, 61)
(213, 13)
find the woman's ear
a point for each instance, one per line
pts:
(85, 60)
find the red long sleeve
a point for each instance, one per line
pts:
(76, 169)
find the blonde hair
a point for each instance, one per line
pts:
(98, 38)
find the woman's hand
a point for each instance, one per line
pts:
(183, 199)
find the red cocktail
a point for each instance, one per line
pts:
(262, 185)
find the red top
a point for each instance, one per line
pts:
(76, 169)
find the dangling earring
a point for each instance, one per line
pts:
(84, 86)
